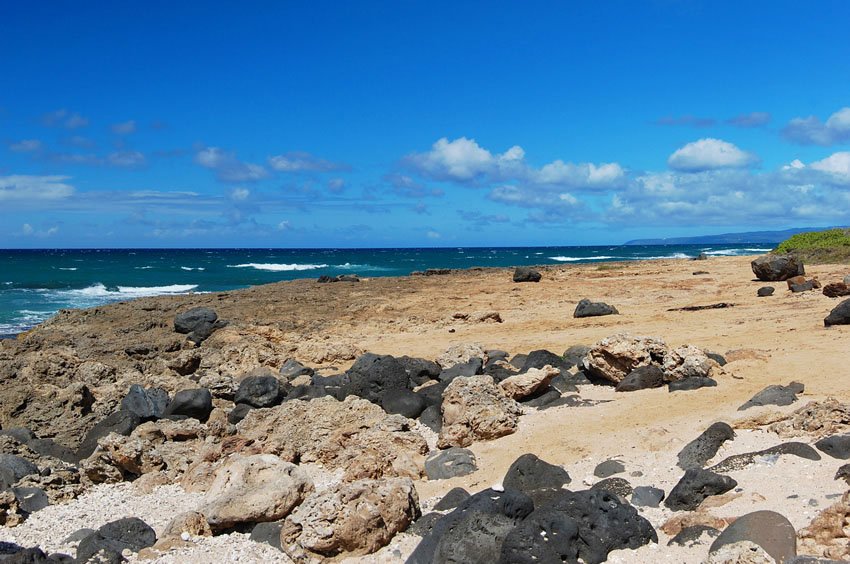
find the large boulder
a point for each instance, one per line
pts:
(776, 268)
(353, 434)
(259, 391)
(198, 323)
(196, 403)
(587, 308)
(476, 409)
(546, 535)
(702, 449)
(252, 489)
(536, 478)
(526, 383)
(354, 518)
(840, 315)
(526, 274)
(371, 376)
(147, 404)
(696, 485)
(450, 463)
(115, 537)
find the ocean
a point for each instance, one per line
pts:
(35, 284)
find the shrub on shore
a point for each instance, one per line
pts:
(829, 246)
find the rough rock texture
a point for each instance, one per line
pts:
(695, 486)
(476, 409)
(768, 529)
(526, 274)
(613, 358)
(741, 552)
(536, 478)
(459, 354)
(354, 434)
(816, 419)
(373, 376)
(115, 537)
(251, 489)
(526, 383)
(476, 538)
(836, 289)
(615, 484)
(647, 496)
(353, 518)
(702, 449)
(828, 534)
(544, 536)
(774, 395)
(191, 522)
(587, 308)
(259, 391)
(740, 461)
(775, 268)
(840, 315)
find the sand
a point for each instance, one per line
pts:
(771, 340)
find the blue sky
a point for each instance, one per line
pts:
(352, 124)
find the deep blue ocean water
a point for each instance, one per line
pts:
(35, 284)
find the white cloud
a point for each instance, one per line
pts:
(126, 159)
(585, 174)
(26, 146)
(433, 235)
(837, 164)
(239, 194)
(709, 154)
(299, 161)
(227, 167)
(19, 188)
(64, 118)
(284, 226)
(28, 230)
(811, 131)
(461, 160)
(124, 128)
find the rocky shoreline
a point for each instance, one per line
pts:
(505, 416)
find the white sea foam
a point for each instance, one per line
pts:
(101, 291)
(192, 268)
(574, 259)
(673, 256)
(142, 267)
(273, 267)
(69, 268)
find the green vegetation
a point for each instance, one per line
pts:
(825, 247)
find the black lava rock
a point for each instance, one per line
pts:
(587, 308)
(147, 404)
(31, 499)
(455, 497)
(542, 357)
(373, 375)
(700, 450)
(433, 394)
(608, 468)
(526, 274)
(432, 418)
(449, 463)
(13, 468)
(419, 370)
(115, 537)
(775, 395)
(647, 496)
(535, 477)
(739, 461)
(840, 314)
(617, 485)
(471, 367)
(476, 538)
(195, 403)
(238, 413)
(544, 536)
(836, 446)
(404, 402)
(696, 485)
(268, 533)
(690, 384)
(199, 323)
(776, 268)
(640, 378)
(541, 398)
(121, 422)
(259, 391)
(765, 291)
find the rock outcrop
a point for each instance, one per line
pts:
(476, 409)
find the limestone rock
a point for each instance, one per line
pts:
(476, 409)
(355, 518)
(459, 354)
(828, 534)
(251, 489)
(526, 383)
(190, 522)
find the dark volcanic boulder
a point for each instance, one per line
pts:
(806, 286)
(775, 268)
(542, 357)
(31, 500)
(292, 369)
(433, 394)
(476, 538)
(471, 367)
(768, 529)
(13, 468)
(739, 461)
(836, 446)
(419, 370)
(510, 504)
(259, 391)
(432, 418)
(129, 533)
(587, 308)
(199, 323)
(544, 536)
(647, 496)
(535, 477)
(775, 395)
(696, 485)
(642, 377)
(693, 383)
(238, 413)
(765, 291)
(121, 422)
(608, 468)
(840, 315)
(526, 274)
(372, 375)
(702, 449)
(147, 404)
(404, 402)
(195, 403)
(617, 485)
(455, 497)
(605, 523)
(450, 463)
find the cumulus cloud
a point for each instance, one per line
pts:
(124, 127)
(812, 131)
(227, 167)
(837, 164)
(709, 154)
(26, 146)
(299, 161)
(64, 118)
(834, 169)
(22, 188)
(752, 119)
(464, 161)
(28, 230)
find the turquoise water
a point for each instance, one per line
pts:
(35, 284)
